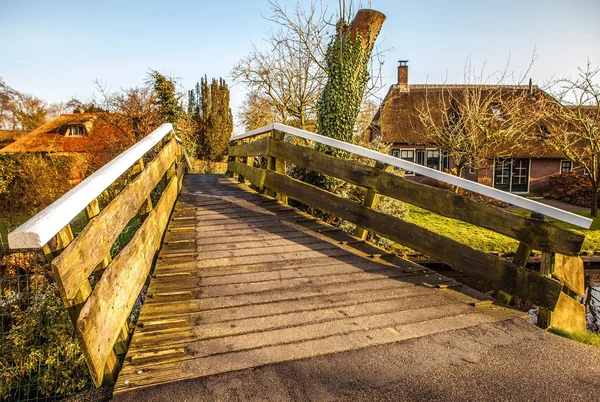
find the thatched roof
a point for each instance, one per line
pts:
(51, 137)
(8, 136)
(398, 119)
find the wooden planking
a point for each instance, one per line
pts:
(302, 295)
(174, 371)
(78, 260)
(515, 280)
(537, 234)
(114, 296)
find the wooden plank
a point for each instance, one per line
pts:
(258, 147)
(568, 314)
(78, 260)
(113, 297)
(370, 201)
(538, 235)
(506, 276)
(569, 270)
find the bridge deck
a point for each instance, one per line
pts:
(243, 281)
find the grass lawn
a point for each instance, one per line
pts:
(487, 240)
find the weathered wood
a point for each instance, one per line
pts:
(76, 303)
(258, 147)
(91, 211)
(569, 270)
(147, 206)
(115, 294)
(370, 201)
(254, 175)
(78, 260)
(537, 234)
(568, 314)
(506, 276)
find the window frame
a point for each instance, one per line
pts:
(81, 129)
(561, 165)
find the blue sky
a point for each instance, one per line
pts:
(56, 49)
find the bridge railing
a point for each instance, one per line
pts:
(555, 288)
(100, 313)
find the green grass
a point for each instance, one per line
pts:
(588, 338)
(489, 241)
(592, 235)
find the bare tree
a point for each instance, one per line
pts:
(288, 71)
(576, 124)
(478, 122)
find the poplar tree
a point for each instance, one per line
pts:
(209, 110)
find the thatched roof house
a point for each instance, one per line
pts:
(399, 122)
(65, 134)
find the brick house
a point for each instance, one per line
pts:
(398, 122)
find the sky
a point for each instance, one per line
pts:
(57, 49)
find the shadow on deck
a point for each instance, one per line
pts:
(243, 281)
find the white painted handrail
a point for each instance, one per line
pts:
(38, 230)
(491, 192)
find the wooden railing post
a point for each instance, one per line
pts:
(370, 201)
(524, 250)
(569, 314)
(147, 206)
(278, 165)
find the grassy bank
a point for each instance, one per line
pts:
(487, 240)
(589, 338)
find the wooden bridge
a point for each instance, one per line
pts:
(233, 277)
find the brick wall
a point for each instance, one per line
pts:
(540, 172)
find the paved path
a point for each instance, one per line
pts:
(503, 361)
(244, 282)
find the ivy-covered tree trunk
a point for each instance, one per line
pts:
(347, 61)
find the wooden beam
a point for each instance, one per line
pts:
(370, 201)
(537, 234)
(256, 176)
(258, 147)
(114, 296)
(504, 275)
(80, 258)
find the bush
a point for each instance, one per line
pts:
(40, 354)
(572, 188)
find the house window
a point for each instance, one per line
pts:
(445, 161)
(433, 159)
(420, 156)
(566, 166)
(408, 155)
(76, 130)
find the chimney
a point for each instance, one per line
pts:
(530, 87)
(403, 73)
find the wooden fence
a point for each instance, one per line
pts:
(556, 289)
(100, 313)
